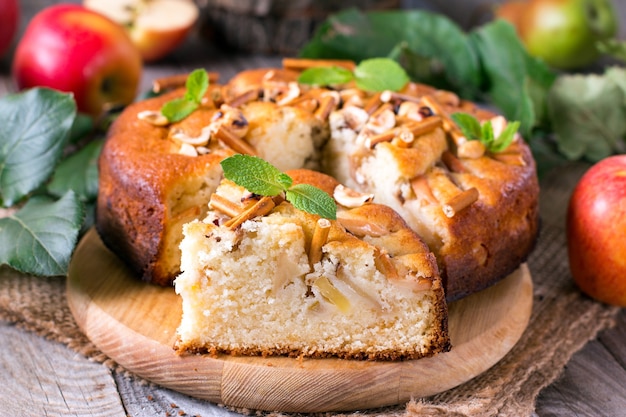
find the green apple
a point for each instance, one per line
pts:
(563, 33)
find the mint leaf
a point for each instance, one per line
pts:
(179, 108)
(472, 129)
(34, 129)
(39, 239)
(260, 177)
(78, 172)
(197, 83)
(380, 74)
(324, 76)
(469, 125)
(311, 199)
(506, 137)
(255, 175)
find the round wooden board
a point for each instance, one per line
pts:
(135, 324)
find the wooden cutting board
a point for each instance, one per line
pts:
(135, 324)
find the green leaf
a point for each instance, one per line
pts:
(177, 109)
(39, 239)
(324, 76)
(78, 172)
(431, 47)
(313, 200)
(486, 135)
(615, 48)
(255, 175)
(380, 74)
(197, 83)
(469, 125)
(587, 114)
(34, 129)
(82, 126)
(506, 137)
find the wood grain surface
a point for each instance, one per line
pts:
(135, 324)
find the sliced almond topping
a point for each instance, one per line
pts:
(153, 117)
(384, 264)
(231, 140)
(350, 198)
(224, 205)
(320, 236)
(422, 190)
(472, 149)
(261, 208)
(460, 201)
(187, 149)
(299, 64)
(452, 162)
(355, 117)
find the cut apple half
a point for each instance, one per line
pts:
(156, 27)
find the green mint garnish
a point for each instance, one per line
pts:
(375, 74)
(197, 83)
(474, 130)
(380, 74)
(260, 177)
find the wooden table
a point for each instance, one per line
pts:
(46, 378)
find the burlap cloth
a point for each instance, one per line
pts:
(562, 322)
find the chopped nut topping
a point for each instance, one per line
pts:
(320, 236)
(153, 117)
(293, 92)
(471, 149)
(460, 201)
(355, 117)
(350, 198)
(201, 140)
(187, 149)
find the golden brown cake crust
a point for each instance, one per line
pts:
(486, 241)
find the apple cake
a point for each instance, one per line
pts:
(476, 209)
(260, 277)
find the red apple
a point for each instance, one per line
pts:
(70, 48)
(156, 27)
(596, 231)
(9, 18)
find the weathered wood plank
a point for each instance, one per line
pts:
(39, 377)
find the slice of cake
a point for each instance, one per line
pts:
(261, 277)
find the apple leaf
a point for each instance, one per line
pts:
(34, 129)
(78, 172)
(513, 76)
(39, 238)
(587, 114)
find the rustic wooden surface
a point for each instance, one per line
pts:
(117, 313)
(39, 377)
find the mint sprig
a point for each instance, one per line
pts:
(179, 108)
(474, 130)
(374, 74)
(260, 177)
